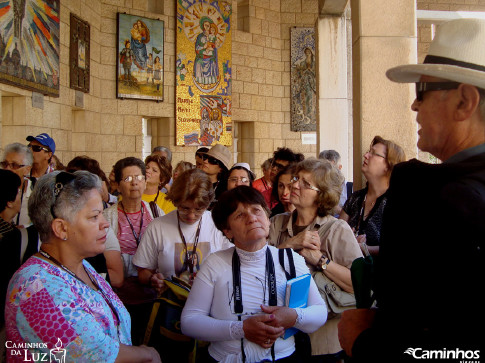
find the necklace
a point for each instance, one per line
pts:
(137, 236)
(189, 260)
(93, 281)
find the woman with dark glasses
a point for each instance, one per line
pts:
(130, 217)
(216, 163)
(56, 299)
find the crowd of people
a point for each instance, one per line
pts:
(81, 246)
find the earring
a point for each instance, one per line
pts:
(64, 239)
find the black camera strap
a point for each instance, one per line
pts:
(236, 281)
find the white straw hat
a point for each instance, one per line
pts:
(245, 166)
(457, 53)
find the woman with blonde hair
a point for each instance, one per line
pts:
(326, 243)
(364, 209)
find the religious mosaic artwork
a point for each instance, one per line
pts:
(79, 54)
(203, 79)
(303, 80)
(140, 58)
(29, 45)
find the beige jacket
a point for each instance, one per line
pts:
(339, 244)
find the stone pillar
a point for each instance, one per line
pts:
(333, 96)
(383, 36)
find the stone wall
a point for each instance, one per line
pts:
(108, 129)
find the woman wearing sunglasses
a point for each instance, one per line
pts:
(216, 163)
(326, 243)
(56, 297)
(364, 209)
(130, 217)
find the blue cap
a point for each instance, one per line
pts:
(45, 140)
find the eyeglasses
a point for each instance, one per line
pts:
(372, 152)
(304, 183)
(38, 148)
(235, 179)
(277, 165)
(130, 178)
(62, 179)
(422, 87)
(14, 166)
(186, 210)
(210, 159)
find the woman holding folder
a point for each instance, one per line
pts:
(327, 244)
(237, 299)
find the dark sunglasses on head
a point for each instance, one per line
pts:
(210, 159)
(13, 166)
(37, 148)
(62, 179)
(422, 87)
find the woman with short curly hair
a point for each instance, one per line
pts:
(326, 243)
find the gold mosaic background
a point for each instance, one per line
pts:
(204, 73)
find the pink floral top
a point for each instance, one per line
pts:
(51, 310)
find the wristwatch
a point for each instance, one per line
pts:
(323, 262)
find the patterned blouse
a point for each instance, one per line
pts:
(370, 226)
(47, 306)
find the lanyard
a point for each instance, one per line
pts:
(95, 283)
(137, 236)
(189, 261)
(236, 281)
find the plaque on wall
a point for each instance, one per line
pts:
(79, 54)
(29, 45)
(303, 80)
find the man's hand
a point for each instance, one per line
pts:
(352, 324)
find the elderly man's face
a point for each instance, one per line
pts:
(434, 116)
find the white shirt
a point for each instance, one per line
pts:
(209, 311)
(161, 247)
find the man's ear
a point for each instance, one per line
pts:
(469, 102)
(59, 228)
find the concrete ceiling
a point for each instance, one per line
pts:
(332, 7)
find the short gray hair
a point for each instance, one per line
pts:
(165, 150)
(19, 148)
(43, 203)
(331, 155)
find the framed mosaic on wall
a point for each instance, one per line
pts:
(203, 79)
(140, 58)
(29, 45)
(303, 80)
(79, 54)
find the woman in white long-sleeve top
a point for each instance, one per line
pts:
(237, 299)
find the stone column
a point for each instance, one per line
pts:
(333, 96)
(383, 36)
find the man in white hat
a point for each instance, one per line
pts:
(430, 269)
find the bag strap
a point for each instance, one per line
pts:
(291, 262)
(154, 209)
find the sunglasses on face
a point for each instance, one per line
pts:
(210, 159)
(38, 148)
(130, 178)
(422, 87)
(277, 166)
(13, 166)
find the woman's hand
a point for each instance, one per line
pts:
(283, 316)
(257, 329)
(361, 238)
(139, 354)
(311, 256)
(156, 281)
(304, 239)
